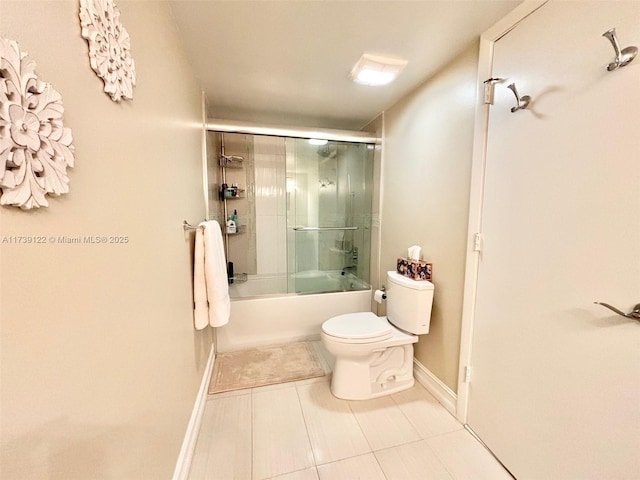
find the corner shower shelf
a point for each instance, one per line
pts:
(239, 230)
(231, 162)
(228, 194)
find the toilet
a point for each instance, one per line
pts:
(374, 355)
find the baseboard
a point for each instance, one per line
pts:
(434, 385)
(191, 436)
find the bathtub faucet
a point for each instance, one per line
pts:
(349, 269)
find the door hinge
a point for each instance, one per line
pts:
(477, 242)
(489, 87)
(467, 374)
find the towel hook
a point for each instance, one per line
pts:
(635, 313)
(522, 102)
(624, 56)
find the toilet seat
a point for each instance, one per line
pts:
(361, 327)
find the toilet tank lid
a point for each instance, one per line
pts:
(359, 325)
(398, 279)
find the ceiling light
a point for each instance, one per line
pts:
(376, 70)
(317, 141)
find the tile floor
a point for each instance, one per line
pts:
(299, 431)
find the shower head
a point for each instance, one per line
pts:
(323, 151)
(326, 151)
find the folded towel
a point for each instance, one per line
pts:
(201, 305)
(212, 305)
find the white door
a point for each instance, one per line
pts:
(555, 386)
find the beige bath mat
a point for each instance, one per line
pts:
(264, 366)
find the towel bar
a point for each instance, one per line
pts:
(187, 226)
(319, 229)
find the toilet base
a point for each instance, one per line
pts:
(381, 373)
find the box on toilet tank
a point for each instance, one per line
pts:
(415, 269)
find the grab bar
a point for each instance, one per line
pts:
(317, 229)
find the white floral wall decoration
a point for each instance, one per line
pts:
(35, 147)
(109, 47)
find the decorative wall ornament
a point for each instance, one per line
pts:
(35, 147)
(109, 47)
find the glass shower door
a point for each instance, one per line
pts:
(329, 195)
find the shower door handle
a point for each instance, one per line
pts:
(318, 229)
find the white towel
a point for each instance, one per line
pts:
(212, 305)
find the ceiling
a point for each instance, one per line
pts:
(286, 62)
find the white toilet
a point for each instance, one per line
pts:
(374, 355)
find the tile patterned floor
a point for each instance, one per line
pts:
(299, 431)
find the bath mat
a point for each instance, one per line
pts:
(264, 366)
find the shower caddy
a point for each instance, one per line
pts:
(230, 193)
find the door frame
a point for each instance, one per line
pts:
(485, 66)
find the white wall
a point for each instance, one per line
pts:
(100, 361)
(426, 172)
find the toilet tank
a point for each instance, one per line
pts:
(409, 303)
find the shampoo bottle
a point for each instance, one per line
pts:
(231, 225)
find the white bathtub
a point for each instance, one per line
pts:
(274, 319)
(259, 285)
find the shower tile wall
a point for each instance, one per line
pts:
(271, 205)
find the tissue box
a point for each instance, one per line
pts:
(415, 269)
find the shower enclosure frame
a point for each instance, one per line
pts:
(272, 319)
(228, 126)
(235, 127)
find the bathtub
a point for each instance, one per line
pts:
(259, 285)
(284, 318)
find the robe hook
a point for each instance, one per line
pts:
(624, 56)
(522, 102)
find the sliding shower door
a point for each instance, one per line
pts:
(302, 212)
(329, 196)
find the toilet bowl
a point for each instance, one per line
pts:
(369, 363)
(374, 355)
